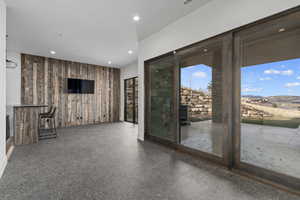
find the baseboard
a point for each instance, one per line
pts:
(3, 164)
(9, 152)
(141, 139)
(9, 144)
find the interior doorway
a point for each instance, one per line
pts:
(131, 100)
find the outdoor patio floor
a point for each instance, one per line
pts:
(273, 148)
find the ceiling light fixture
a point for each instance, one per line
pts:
(52, 52)
(136, 18)
(109, 62)
(130, 52)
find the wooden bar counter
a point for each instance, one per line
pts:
(26, 123)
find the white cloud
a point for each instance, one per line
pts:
(265, 79)
(298, 77)
(294, 84)
(199, 74)
(252, 89)
(287, 72)
(274, 71)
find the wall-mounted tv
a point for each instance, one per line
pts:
(80, 86)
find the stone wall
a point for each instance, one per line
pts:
(202, 106)
(199, 103)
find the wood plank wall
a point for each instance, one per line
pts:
(26, 132)
(44, 82)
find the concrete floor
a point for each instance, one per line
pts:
(273, 148)
(106, 162)
(204, 136)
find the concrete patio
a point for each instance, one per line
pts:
(274, 148)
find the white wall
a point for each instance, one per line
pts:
(13, 80)
(13, 86)
(129, 71)
(214, 18)
(3, 159)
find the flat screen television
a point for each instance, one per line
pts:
(80, 86)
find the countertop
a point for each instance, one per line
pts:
(28, 106)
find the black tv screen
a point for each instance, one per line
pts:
(79, 86)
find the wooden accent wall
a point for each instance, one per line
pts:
(44, 81)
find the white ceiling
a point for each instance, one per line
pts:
(89, 31)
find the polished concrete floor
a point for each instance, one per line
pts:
(270, 147)
(273, 148)
(106, 162)
(204, 136)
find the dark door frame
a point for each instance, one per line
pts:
(226, 42)
(280, 179)
(134, 100)
(226, 159)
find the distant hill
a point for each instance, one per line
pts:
(278, 99)
(284, 99)
(252, 96)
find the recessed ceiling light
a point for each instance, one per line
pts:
(52, 52)
(109, 62)
(205, 50)
(281, 30)
(130, 52)
(136, 18)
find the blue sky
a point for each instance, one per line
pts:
(270, 79)
(196, 77)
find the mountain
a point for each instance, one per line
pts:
(276, 99)
(252, 96)
(284, 99)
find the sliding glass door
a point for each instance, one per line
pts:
(233, 99)
(204, 97)
(268, 100)
(187, 102)
(131, 100)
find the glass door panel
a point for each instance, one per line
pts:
(162, 117)
(201, 98)
(268, 63)
(136, 108)
(129, 100)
